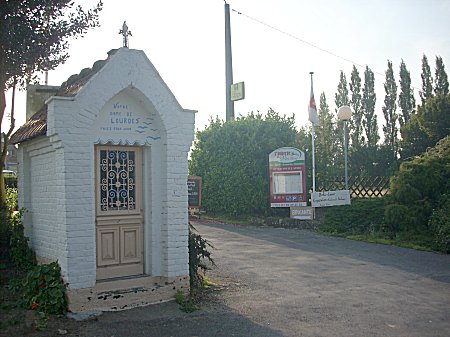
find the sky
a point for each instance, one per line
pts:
(275, 45)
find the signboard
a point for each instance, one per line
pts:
(330, 198)
(237, 91)
(287, 177)
(194, 184)
(302, 213)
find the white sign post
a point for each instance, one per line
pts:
(330, 198)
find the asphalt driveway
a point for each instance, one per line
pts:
(279, 282)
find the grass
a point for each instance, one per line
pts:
(385, 241)
(227, 219)
(363, 220)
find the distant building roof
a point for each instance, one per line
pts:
(37, 125)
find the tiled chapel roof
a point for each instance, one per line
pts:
(37, 124)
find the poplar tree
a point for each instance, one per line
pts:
(389, 111)
(327, 143)
(406, 99)
(356, 127)
(427, 81)
(441, 79)
(340, 99)
(368, 109)
(34, 37)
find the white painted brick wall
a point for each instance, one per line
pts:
(41, 194)
(62, 175)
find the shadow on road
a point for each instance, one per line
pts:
(166, 319)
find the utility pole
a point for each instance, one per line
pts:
(228, 66)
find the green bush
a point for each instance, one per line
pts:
(440, 224)
(417, 188)
(11, 199)
(43, 290)
(397, 217)
(362, 216)
(232, 158)
(21, 254)
(404, 193)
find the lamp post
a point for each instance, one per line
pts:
(345, 114)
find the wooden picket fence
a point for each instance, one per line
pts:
(359, 186)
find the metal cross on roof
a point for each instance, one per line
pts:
(125, 32)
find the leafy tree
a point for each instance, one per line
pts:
(356, 128)
(435, 117)
(427, 81)
(232, 158)
(427, 127)
(414, 139)
(441, 79)
(34, 37)
(328, 151)
(406, 99)
(389, 110)
(368, 108)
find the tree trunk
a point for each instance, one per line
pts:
(5, 143)
(4, 216)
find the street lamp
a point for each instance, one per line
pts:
(345, 114)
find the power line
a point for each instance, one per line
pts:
(306, 42)
(295, 37)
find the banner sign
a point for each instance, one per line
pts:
(330, 198)
(194, 184)
(287, 177)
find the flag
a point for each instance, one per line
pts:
(313, 116)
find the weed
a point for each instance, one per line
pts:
(179, 297)
(15, 320)
(207, 283)
(186, 302)
(198, 254)
(41, 323)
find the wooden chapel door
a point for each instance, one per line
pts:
(119, 214)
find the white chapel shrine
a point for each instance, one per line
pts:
(103, 166)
